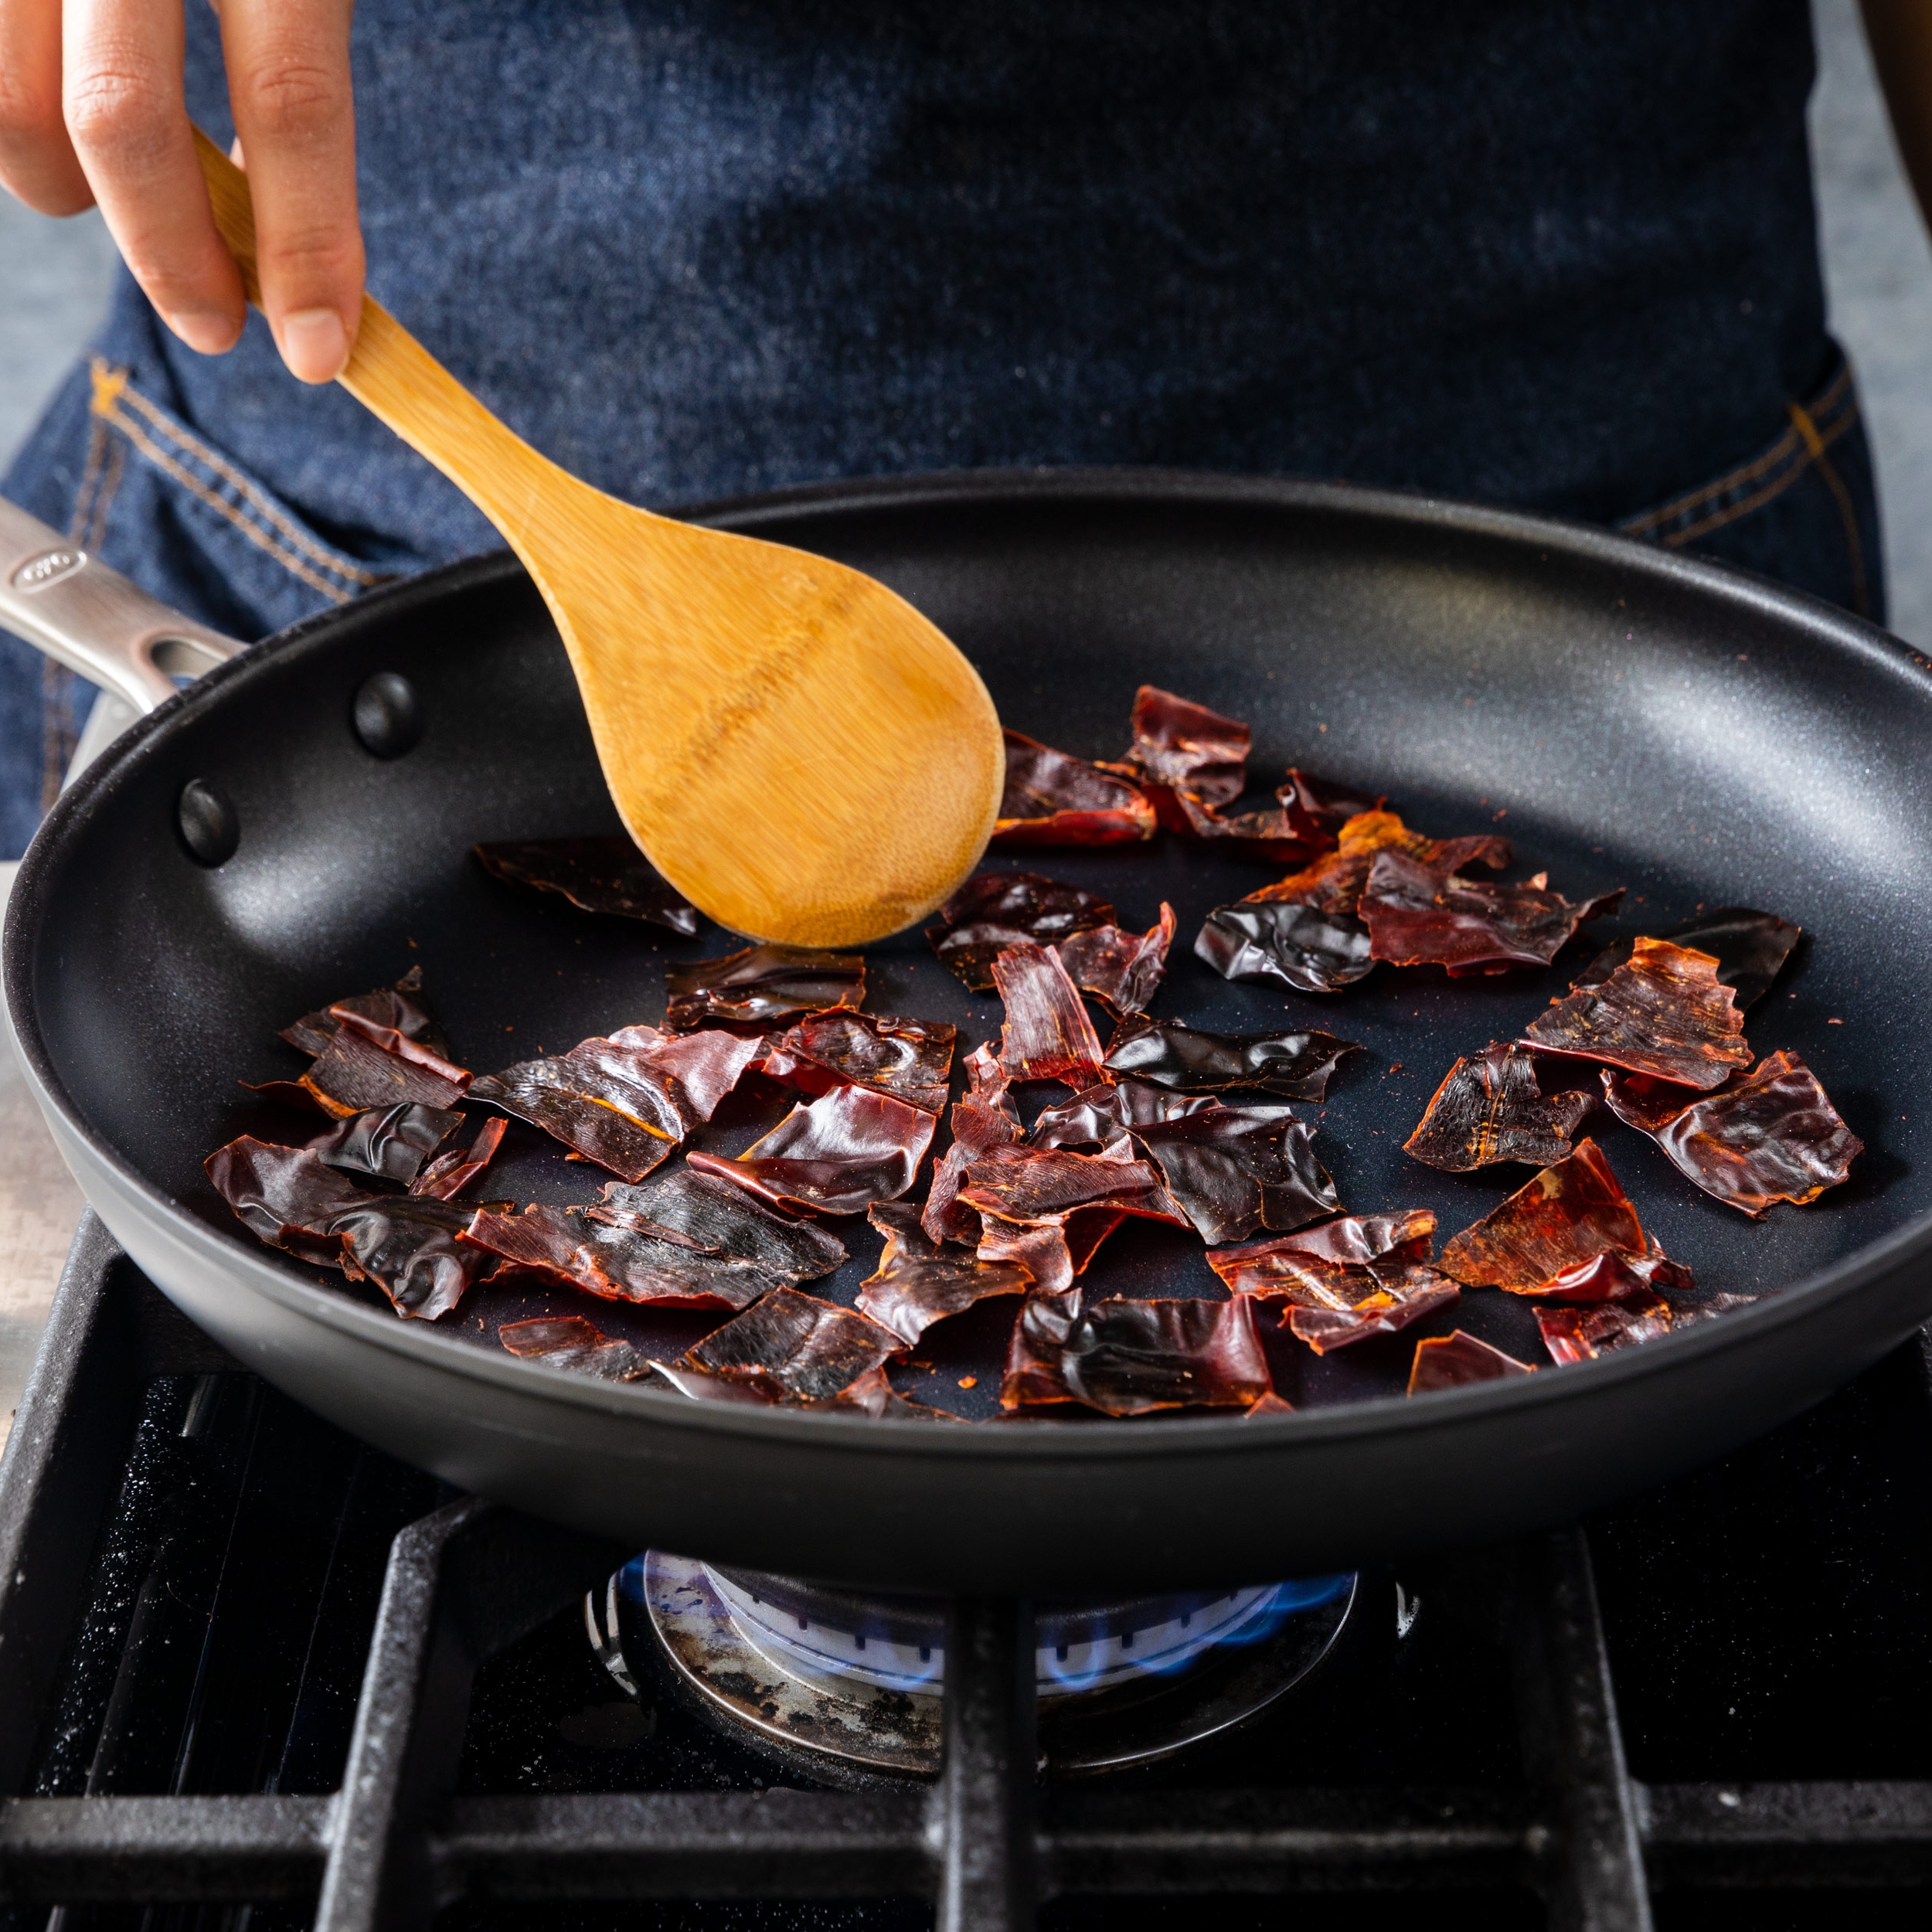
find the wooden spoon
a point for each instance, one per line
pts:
(795, 748)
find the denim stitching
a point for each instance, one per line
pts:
(1854, 544)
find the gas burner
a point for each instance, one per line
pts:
(833, 1678)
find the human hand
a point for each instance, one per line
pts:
(92, 110)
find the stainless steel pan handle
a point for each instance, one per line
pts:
(94, 621)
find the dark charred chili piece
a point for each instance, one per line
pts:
(997, 910)
(1053, 798)
(605, 1099)
(1665, 1012)
(910, 1060)
(617, 1264)
(400, 1006)
(715, 1218)
(1099, 1116)
(1301, 946)
(1047, 1035)
(920, 1281)
(1121, 970)
(1750, 949)
(1571, 1211)
(391, 1142)
(1489, 1108)
(1419, 917)
(847, 1149)
(1455, 1361)
(984, 1117)
(1232, 1169)
(762, 984)
(1334, 882)
(1297, 1065)
(793, 1348)
(1130, 1357)
(1765, 1136)
(569, 1341)
(597, 875)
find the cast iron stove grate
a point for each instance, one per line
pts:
(284, 1668)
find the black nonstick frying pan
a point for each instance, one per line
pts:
(1626, 715)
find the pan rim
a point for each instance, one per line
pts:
(1105, 1439)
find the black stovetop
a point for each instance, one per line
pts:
(253, 1675)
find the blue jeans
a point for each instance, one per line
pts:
(1557, 253)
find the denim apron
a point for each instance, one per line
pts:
(1555, 253)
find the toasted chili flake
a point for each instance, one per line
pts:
(1418, 916)
(1765, 1136)
(1454, 1361)
(920, 1281)
(847, 1149)
(607, 1101)
(997, 910)
(985, 1117)
(1309, 950)
(1053, 798)
(699, 1211)
(1297, 1065)
(1121, 970)
(1232, 1169)
(1047, 1035)
(1665, 1012)
(1488, 1108)
(795, 1347)
(761, 984)
(450, 1174)
(1750, 949)
(401, 1006)
(391, 1142)
(618, 1263)
(569, 1341)
(1573, 1210)
(598, 875)
(1334, 882)
(1130, 1357)
(910, 1060)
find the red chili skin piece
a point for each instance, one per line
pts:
(1048, 1211)
(1766, 1136)
(1455, 1361)
(400, 1006)
(911, 1060)
(920, 1281)
(352, 1074)
(1665, 1013)
(1231, 1169)
(617, 1264)
(1334, 882)
(1489, 1108)
(984, 1118)
(702, 1067)
(1638, 1279)
(1750, 948)
(1100, 1116)
(596, 875)
(795, 1347)
(995, 910)
(569, 1341)
(698, 1210)
(1047, 1036)
(1123, 971)
(752, 989)
(448, 1174)
(1571, 1212)
(1053, 798)
(1182, 746)
(1419, 917)
(393, 1142)
(1296, 1066)
(1582, 1334)
(606, 1100)
(846, 1150)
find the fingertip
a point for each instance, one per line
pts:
(208, 331)
(314, 345)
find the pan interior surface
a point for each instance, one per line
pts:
(1624, 720)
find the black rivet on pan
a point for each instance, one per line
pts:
(387, 714)
(206, 819)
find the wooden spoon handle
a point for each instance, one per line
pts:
(393, 376)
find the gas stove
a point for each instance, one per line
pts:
(254, 1675)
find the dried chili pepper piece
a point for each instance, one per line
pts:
(597, 875)
(1047, 1035)
(568, 1341)
(1131, 1358)
(1099, 1116)
(837, 1155)
(1232, 1169)
(1053, 798)
(1275, 1267)
(1334, 882)
(997, 910)
(702, 1067)
(617, 1264)
(400, 1006)
(1049, 1210)
(1581, 1334)
(1121, 970)
(793, 1348)
(1489, 1108)
(392, 1141)
(1664, 1012)
(1750, 949)
(1610, 1276)
(1768, 1135)
(762, 984)
(1311, 950)
(1573, 1210)
(608, 1102)
(1317, 808)
(285, 1196)
(920, 1281)
(699, 1211)
(1266, 835)
(450, 1174)
(1297, 1065)
(910, 1060)
(1455, 1361)
(352, 1075)
(410, 1246)
(1419, 917)
(1270, 1404)
(1179, 745)
(984, 1117)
